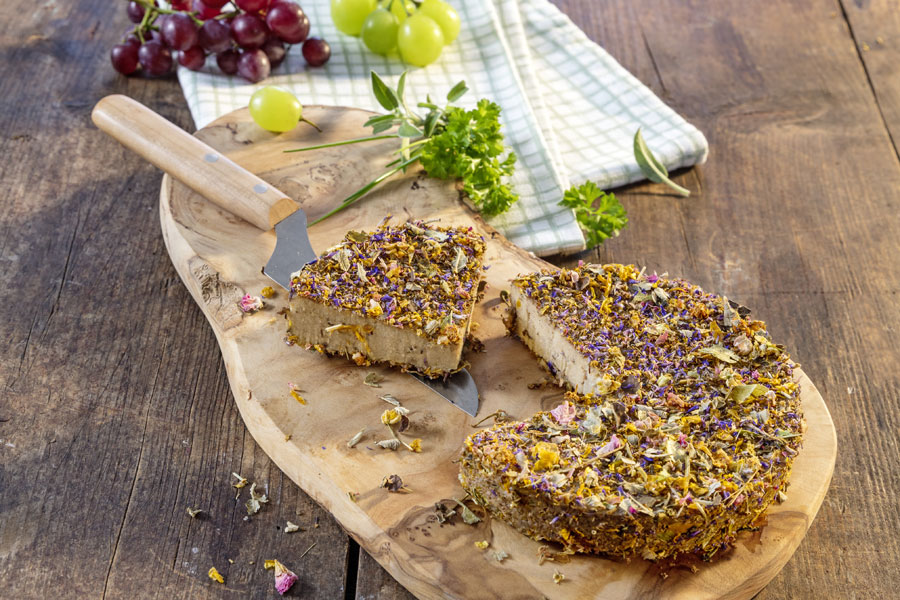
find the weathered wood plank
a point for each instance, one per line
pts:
(793, 216)
(875, 27)
(114, 409)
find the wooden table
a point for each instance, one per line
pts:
(115, 413)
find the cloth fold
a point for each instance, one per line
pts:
(569, 109)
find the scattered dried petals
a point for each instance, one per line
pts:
(416, 445)
(373, 379)
(251, 304)
(558, 577)
(291, 527)
(242, 481)
(388, 444)
(214, 575)
(393, 483)
(267, 292)
(295, 393)
(256, 500)
(356, 438)
(390, 416)
(500, 555)
(390, 399)
(482, 545)
(194, 512)
(284, 577)
(468, 517)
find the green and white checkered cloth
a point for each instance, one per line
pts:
(569, 109)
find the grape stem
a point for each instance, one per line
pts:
(167, 11)
(307, 121)
(366, 188)
(345, 142)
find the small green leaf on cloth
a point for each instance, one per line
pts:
(651, 167)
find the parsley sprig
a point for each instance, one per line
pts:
(449, 142)
(598, 223)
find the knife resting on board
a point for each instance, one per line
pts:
(233, 188)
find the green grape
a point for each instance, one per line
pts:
(398, 10)
(420, 40)
(379, 31)
(348, 15)
(275, 109)
(444, 15)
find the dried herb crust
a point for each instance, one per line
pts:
(690, 440)
(420, 280)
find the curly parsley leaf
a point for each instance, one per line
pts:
(598, 223)
(468, 148)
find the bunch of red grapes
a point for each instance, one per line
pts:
(248, 37)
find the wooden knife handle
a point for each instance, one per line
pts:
(203, 169)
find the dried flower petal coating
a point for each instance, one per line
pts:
(687, 437)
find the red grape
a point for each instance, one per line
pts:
(217, 4)
(274, 49)
(184, 5)
(249, 31)
(253, 65)
(193, 58)
(252, 6)
(124, 58)
(136, 12)
(204, 11)
(228, 61)
(287, 21)
(214, 36)
(131, 40)
(179, 32)
(316, 51)
(155, 58)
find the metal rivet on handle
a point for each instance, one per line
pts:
(260, 188)
(211, 158)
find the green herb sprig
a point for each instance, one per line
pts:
(600, 223)
(449, 142)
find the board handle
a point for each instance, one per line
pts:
(195, 164)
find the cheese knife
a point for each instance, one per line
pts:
(231, 187)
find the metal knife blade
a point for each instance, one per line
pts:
(459, 389)
(292, 249)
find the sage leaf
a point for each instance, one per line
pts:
(651, 167)
(457, 91)
(401, 87)
(383, 93)
(408, 130)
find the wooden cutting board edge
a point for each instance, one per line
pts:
(352, 517)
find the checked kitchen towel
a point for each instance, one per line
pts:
(569, 109)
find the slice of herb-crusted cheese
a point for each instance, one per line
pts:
(403, 294)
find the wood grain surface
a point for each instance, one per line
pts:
(112, 422)
(219, 258)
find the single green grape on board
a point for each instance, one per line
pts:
(275, 109)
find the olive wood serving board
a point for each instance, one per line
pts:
(219, 257)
